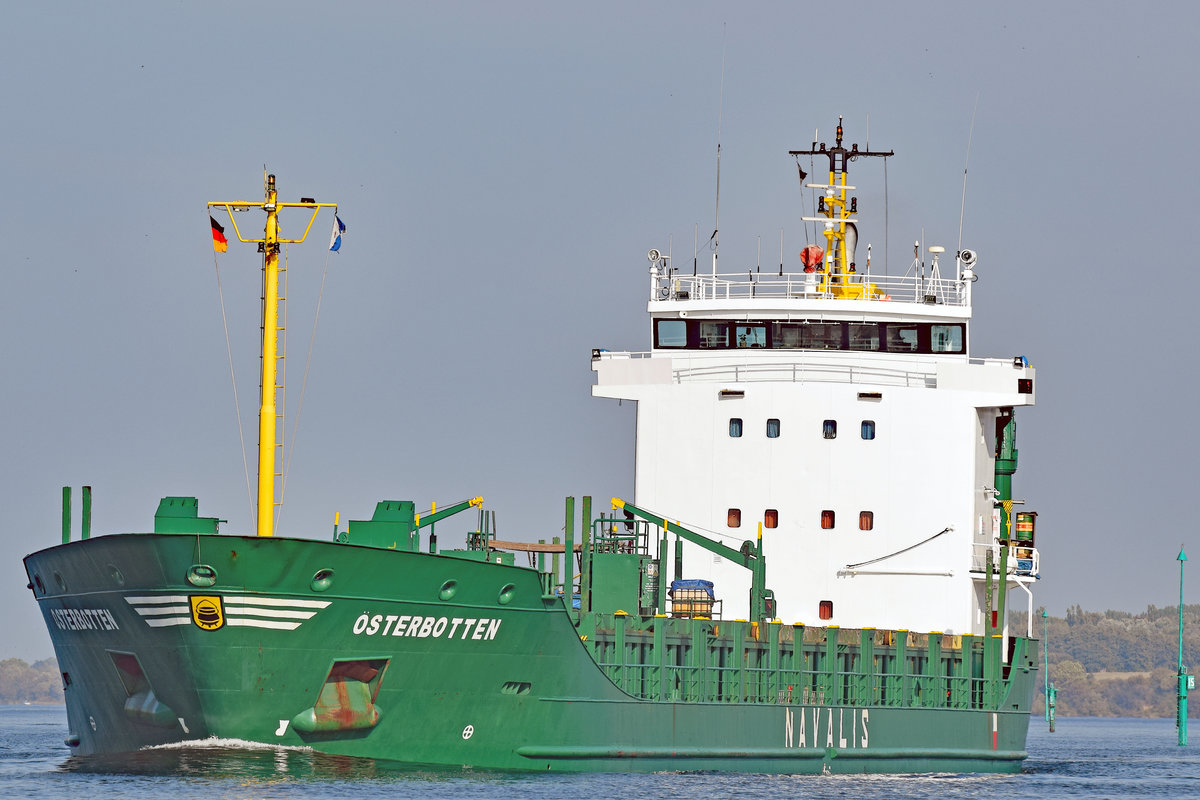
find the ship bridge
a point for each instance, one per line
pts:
(910, 330)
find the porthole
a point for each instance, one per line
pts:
(448, 590)
(117, 576)
(506, 594)
(322, 580)
(62, 584)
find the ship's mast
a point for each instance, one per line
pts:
(270, 365)
(270, 386)
(838, 213)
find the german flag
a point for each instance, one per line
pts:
(219, 242)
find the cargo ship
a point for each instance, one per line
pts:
(813, 575)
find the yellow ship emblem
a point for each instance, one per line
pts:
(207, 611)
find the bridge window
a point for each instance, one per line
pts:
(822, 336)
(735, 427)
(734, 519)
(866, 520)
(864, 336)
(771, 518)
(827, 520)
(772, 429)
(751, 335)
(714, 334)
(868, 429)
(670, 333)
(785, 335)
(946, 338)
(825, 609)
(902, 338)
(829, 429)
(890, 337)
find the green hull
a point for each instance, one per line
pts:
(318, 644)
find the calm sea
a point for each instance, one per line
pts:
(1122, 759)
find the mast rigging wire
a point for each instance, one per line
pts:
(291, 450)
(233, 378)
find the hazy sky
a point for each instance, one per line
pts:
(502, 169)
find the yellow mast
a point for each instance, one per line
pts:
(269, 247)
(270, 350)
(836, 214)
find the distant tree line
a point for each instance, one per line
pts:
(22, 683)
(1086, 648)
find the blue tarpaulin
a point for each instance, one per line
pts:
(692, 583)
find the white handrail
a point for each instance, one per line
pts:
(806, 285)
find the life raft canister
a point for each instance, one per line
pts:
(811, 257)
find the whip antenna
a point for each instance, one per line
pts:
(713, 241)
(963, 208)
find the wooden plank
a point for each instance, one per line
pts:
(531, 547)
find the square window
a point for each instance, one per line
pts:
(735, 427)
(750, 335)
(829, 429)
(735, 518)
(822, 336)
(670, 333)
(868, 429)
(714, 334)
(946, 338)
(864, 336)
(866, 520)
(827, 519)
(772, 429)
(825, 609)
(771, 518)
(902, 337)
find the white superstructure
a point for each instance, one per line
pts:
(844, 412)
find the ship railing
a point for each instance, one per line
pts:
(659, 658)
(807, 285)
(918, 375)
(915, 371)
(1023, 558)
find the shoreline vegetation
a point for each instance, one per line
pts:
(38, 683)
(1103, 664)
(1115, 663)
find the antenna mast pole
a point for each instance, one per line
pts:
(720, 112)
(962, 210)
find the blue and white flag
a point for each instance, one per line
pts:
(335, 236)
